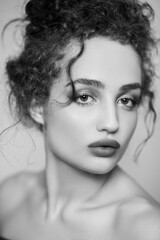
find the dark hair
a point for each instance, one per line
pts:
(51, 25)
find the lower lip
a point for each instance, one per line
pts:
(103, 151)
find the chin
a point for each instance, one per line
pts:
(100, 170)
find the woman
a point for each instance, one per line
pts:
(84, 70)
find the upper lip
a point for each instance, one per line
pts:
(105, 143)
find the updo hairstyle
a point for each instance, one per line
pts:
(51, 25)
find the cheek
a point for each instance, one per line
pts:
(129, 124)
(67, 125)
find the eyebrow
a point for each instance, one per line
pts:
(89, 82)
(130, 86)
(99, 84)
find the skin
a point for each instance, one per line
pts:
(80, 195)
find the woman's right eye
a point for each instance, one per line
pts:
(84, 99)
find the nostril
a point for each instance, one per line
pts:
(109, 123)
(112, 127)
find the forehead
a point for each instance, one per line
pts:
(104, 59)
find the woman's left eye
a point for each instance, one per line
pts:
(128, 102)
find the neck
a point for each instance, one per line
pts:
(68, 185)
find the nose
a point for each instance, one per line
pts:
(108, 119)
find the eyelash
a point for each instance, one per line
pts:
(89, 95)
(130, 99)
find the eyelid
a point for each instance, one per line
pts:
(132, 94)
(90, 88)
(86, 91)
(80, 93)
(134, 101)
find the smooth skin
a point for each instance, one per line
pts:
(81, 196)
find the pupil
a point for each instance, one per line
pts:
(84, 97)
(125, 100)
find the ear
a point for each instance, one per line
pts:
(37, 114)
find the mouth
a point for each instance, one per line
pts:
(104, 148)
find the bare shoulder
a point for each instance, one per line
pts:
(140, 217)
(15, 190)
(138, 214)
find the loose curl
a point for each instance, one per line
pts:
(51, 25)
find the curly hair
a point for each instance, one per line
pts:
(51, 25)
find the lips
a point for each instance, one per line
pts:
(104, 148)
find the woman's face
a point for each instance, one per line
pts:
(93, 132)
